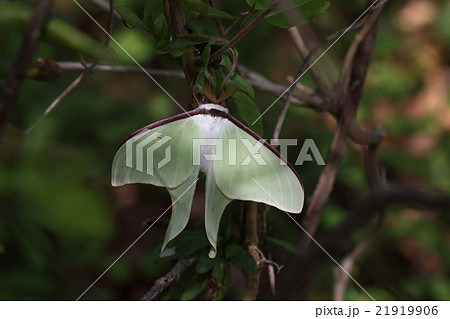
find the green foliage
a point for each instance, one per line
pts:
(131, 18)
(308, 8)
(240, 257)
(202, 8)
(188, 243)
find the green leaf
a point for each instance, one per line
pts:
(241, 83)
(240, 257)
(312, 8)
(203, 8)
(187, 43)
(279, 19)
(153, 9)
(206, 54)
(309, 9)
(286, 245)
(130, 17)
(222, 275)
(244, 261)
(180, 46)
(155, 20)
(232, 250)
(188, 242)
(226, 61)
(248, 111)
(204, 263)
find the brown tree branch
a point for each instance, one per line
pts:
(325, 184)
(168, 279)
(339, 242)
(364, 41)
(255, 79)
(73, 66)
(303, 50)
(346, 102)
(17, 73)
(344, 78)
(252, 235)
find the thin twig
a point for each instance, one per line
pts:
(290, 93)
(303, 50)
(72, 66)
(64, 93)
(168, 279)
(281, 117)
(341, 278)
(238, 18)
(243, 32)
(86, 69)
(17, 73)
(255, 79)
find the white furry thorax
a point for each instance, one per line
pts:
(211, 127)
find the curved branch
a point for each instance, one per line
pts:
(325, 184)
(168, 279)
(303, 50)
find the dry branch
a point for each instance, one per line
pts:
(168, 279)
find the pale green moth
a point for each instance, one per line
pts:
(238, 165)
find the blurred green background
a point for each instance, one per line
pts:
(62, 224)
